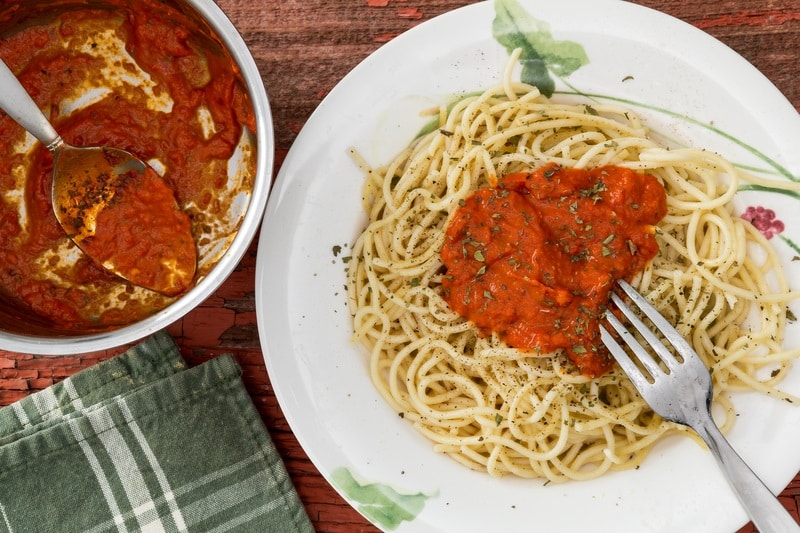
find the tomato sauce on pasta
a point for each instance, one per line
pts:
(534, 259)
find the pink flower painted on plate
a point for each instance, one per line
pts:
(764, 220)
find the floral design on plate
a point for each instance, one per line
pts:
(763, 219)
(381, 504)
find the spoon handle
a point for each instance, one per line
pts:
(19, 105)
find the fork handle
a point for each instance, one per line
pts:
(764, 509)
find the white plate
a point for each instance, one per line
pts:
(321, 378)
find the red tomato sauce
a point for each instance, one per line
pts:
(142, 233)
(48, 52)
(534, 259)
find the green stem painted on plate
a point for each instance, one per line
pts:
(761, 188)
(790, 243)
(780, 169)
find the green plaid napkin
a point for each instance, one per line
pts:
(141, 443)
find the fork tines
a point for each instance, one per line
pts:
(686, 354)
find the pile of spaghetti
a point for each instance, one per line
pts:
(509, 411)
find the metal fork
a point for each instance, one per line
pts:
(682, 394)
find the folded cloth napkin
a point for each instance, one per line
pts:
(142, 443)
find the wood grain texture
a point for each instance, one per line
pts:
(302, 49)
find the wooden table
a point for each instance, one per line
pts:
(303, 48)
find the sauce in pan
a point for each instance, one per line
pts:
(141, 76)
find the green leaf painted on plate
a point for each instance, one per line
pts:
(380, 503)
(541, 54)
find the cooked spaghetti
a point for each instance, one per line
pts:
(503, 410)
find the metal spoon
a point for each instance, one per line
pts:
(86, 181)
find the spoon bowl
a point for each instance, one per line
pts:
(114, 206)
